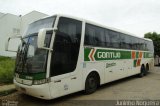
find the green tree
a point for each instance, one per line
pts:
(156, 41)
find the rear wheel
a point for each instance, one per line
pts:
(91, 83)
(143, 71)
(147, 67)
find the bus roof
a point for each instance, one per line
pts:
(96, 24)
(104, 26)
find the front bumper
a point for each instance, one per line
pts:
(40, 91)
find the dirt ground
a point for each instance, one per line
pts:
(132, 88)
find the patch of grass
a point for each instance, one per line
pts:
(4, 93)
(7, 65)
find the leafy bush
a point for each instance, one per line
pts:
(7, 65)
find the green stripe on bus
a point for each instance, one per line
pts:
(137, 54)
(134, 63)
(104, 54)
(148, 55)
(86, 54)
(34, 76)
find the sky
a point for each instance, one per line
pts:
(134, 16)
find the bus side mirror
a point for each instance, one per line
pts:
(8, 40)
(42, 36)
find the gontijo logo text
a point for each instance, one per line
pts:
(101, 54)
(109, 55)
(93, 55)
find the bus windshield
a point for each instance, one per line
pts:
(31, 59)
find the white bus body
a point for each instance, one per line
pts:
(70, 54)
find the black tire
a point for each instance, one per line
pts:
(91, 84)
(147, 68)
(143, 71)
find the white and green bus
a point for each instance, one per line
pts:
(60, 55)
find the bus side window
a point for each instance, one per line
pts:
(150, 46)
(100, 36)
(107, 38)
(138, 44)
(122, 41)
(94, 36)
(90, 35)
(128, 41)
(114, 37)
(145, 46)
(134, 43)
(141, 44)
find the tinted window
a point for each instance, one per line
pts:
(94, 36)
(66, 46)
(107, 39)
(122, 41)
(141, 43)
(145, 45)
(134, 43)
(100, 36)
(128, 42)
(150, 46)
(90, 34)
(137, 44)
(114, 39)
(97, 36)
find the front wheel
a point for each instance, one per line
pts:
(91, 83)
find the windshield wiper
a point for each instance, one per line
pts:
(22, 57)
